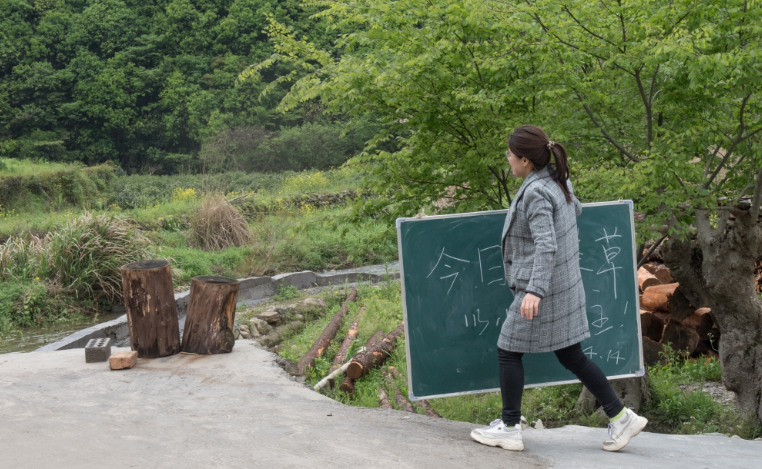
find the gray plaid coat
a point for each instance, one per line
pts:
(541, 256)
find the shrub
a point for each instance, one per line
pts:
(83, 257)
(218, 225)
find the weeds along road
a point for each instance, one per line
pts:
(241, 410)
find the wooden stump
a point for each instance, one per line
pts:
(149, 299)
(211, 315)
(646, 279)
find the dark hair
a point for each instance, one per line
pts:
(531, 142)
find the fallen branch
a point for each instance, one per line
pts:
(352, 333)
(362, 363)
(322, 343)
(323, 382)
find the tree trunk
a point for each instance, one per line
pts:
(320, 345)
(211, 315)
(149, 299)
(341, 355)
(719, 267)
(375, 356)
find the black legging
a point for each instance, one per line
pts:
(572, 358)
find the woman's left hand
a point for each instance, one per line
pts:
(530, 307)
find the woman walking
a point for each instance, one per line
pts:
(541, 260)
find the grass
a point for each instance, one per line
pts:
(31, 167)
(672, 409)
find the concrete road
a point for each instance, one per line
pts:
(241, 410)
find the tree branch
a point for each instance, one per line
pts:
(603, 131)
(651, 251)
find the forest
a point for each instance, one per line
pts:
(150, 86)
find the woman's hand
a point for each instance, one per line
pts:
(530, 306)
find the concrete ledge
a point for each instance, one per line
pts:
(300, 280)
(252, 288)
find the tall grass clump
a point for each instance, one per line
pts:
(218, 225)
(83, 257)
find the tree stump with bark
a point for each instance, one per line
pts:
(322, 343)
(149, 299)
(211, 315)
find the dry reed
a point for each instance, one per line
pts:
(218, 225)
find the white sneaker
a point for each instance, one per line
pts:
(621, 431)
(498, 434)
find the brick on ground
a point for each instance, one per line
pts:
(123, 360)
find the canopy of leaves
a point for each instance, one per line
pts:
(135, 81)
(657, 101)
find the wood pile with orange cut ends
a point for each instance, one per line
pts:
(669, 314)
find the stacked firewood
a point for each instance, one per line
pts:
(672, 314)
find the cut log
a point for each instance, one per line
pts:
(211, 315)
(348, 385)
(149, 299)
(383, 400)
(399, 399)
(679, 305)
(656, 298)
(646, 279)
(429, 411)
(682, 338)
(375, 356)
(322, 343)
(651, 352)
(352, 333)
(660, 271)
(707, 329)
(651, 326)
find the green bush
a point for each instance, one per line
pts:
(26, 304)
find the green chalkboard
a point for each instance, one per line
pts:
(455, 299)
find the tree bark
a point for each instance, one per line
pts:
(352, 333)
(682, 338)
(651, 326)
(660, 271)
(348, 385)
(149, 299)
(211, 315)
(320, 345)
(375, 356)
(718, 265)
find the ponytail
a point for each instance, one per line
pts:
(561, 172)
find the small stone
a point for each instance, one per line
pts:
(312, 302)
(271, 317)
(123, 360)
(261, 326)
(757, 439)
(244, 328)
(538, 425)
(736, 436)
(236, 334)
(245, 335)
(254, 333)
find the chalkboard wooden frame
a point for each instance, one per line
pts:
(413, 397)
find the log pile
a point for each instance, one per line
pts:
(672, 314)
